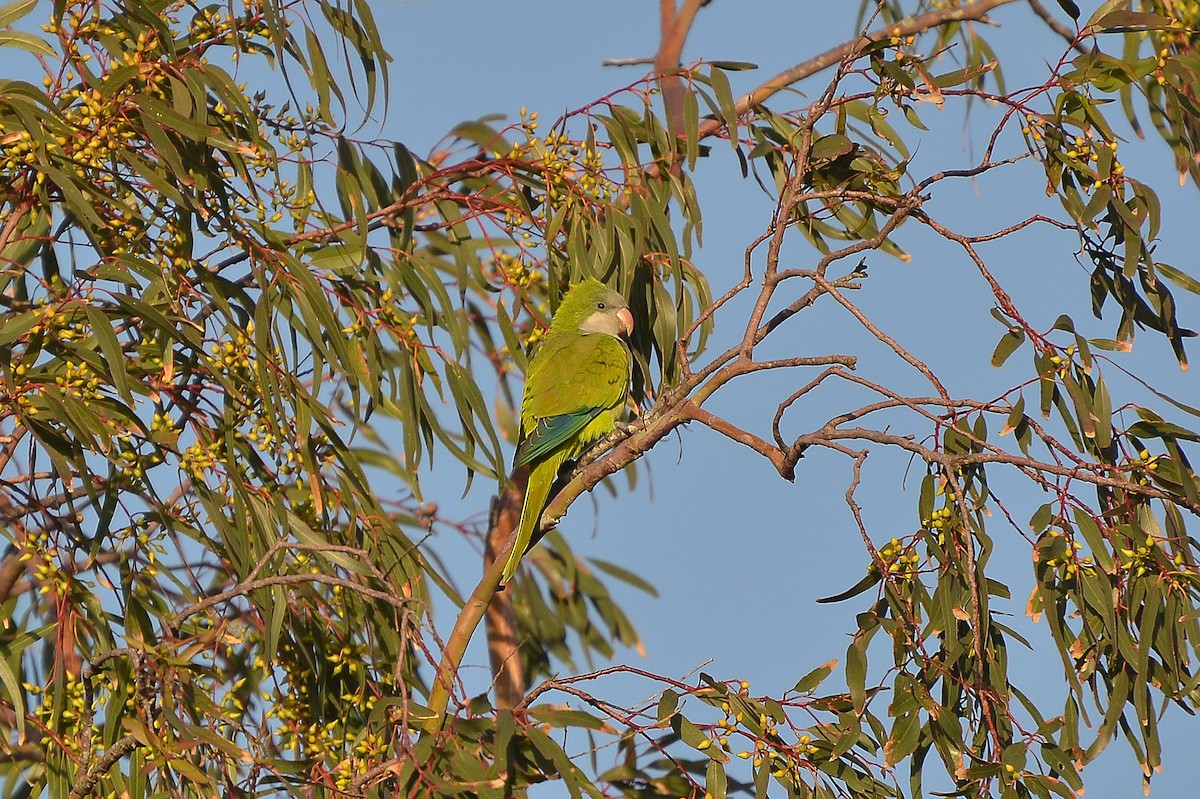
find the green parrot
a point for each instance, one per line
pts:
(575, 392)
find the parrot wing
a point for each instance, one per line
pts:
(569, 385)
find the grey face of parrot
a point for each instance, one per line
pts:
(610, 317)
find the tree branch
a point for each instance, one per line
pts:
(785, 465)
(835, 55)
(675, 26)
(1069, 36)
(456, 645)
(508, 675)
(98, 769)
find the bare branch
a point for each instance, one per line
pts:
(777, 457)
(1069, 36)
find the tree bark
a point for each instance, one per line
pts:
(500, 623)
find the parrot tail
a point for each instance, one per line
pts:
(541, 478)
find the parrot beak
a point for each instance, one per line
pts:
(626, 320)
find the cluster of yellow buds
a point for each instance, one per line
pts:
(1083, 149)
(18, 149)
(306, 563)
(401, 323)
(346, 660)
(899, 41)
(571, 170)
(236, 356)
(131, 462)
(370, 748)
(1091, 158)
(46, 571)
(261, 435)
(1160, 65)
(900, 560)
(515, 270)
(331, 740)
(782, 758)
(938, 518)
(213, 25)
(535, 337)
(1143, 463)
(1064, 552)
(345, 771)
(1063, 362)
(200, 458)
(938, 522)
(79, 381)
(161, 422)
(145, 541)
(69, 714)
(1142, 559)
(724, 728)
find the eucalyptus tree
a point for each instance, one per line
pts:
(239, 325)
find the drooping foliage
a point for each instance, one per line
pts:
(239, 328)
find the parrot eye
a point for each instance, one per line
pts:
(601, 306)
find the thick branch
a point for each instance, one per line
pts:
(99, 768)
(508, 676)
(675, 27)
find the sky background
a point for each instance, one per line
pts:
(738, 555)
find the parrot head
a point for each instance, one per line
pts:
(591, 307)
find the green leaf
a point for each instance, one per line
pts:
(1016, 417)
(1102, 414)
(828, 148)
(16, 695)
(910, 113)
(762, 779)
(720, 85)
(1178, 277)
(568, 717)
(856, 672)
(1007, 345)
(815, 677)
(1130, 22)
(871, 579)
(904, 738)
(26, 41)
(1105, 8)
(691, 128)
(958, 77)
(1097, 544)
(1083, 406)
(715, 781)
(624, 575)
(11, 12)
(667, 705)
(693, 736)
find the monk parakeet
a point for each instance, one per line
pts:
(575, 391)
